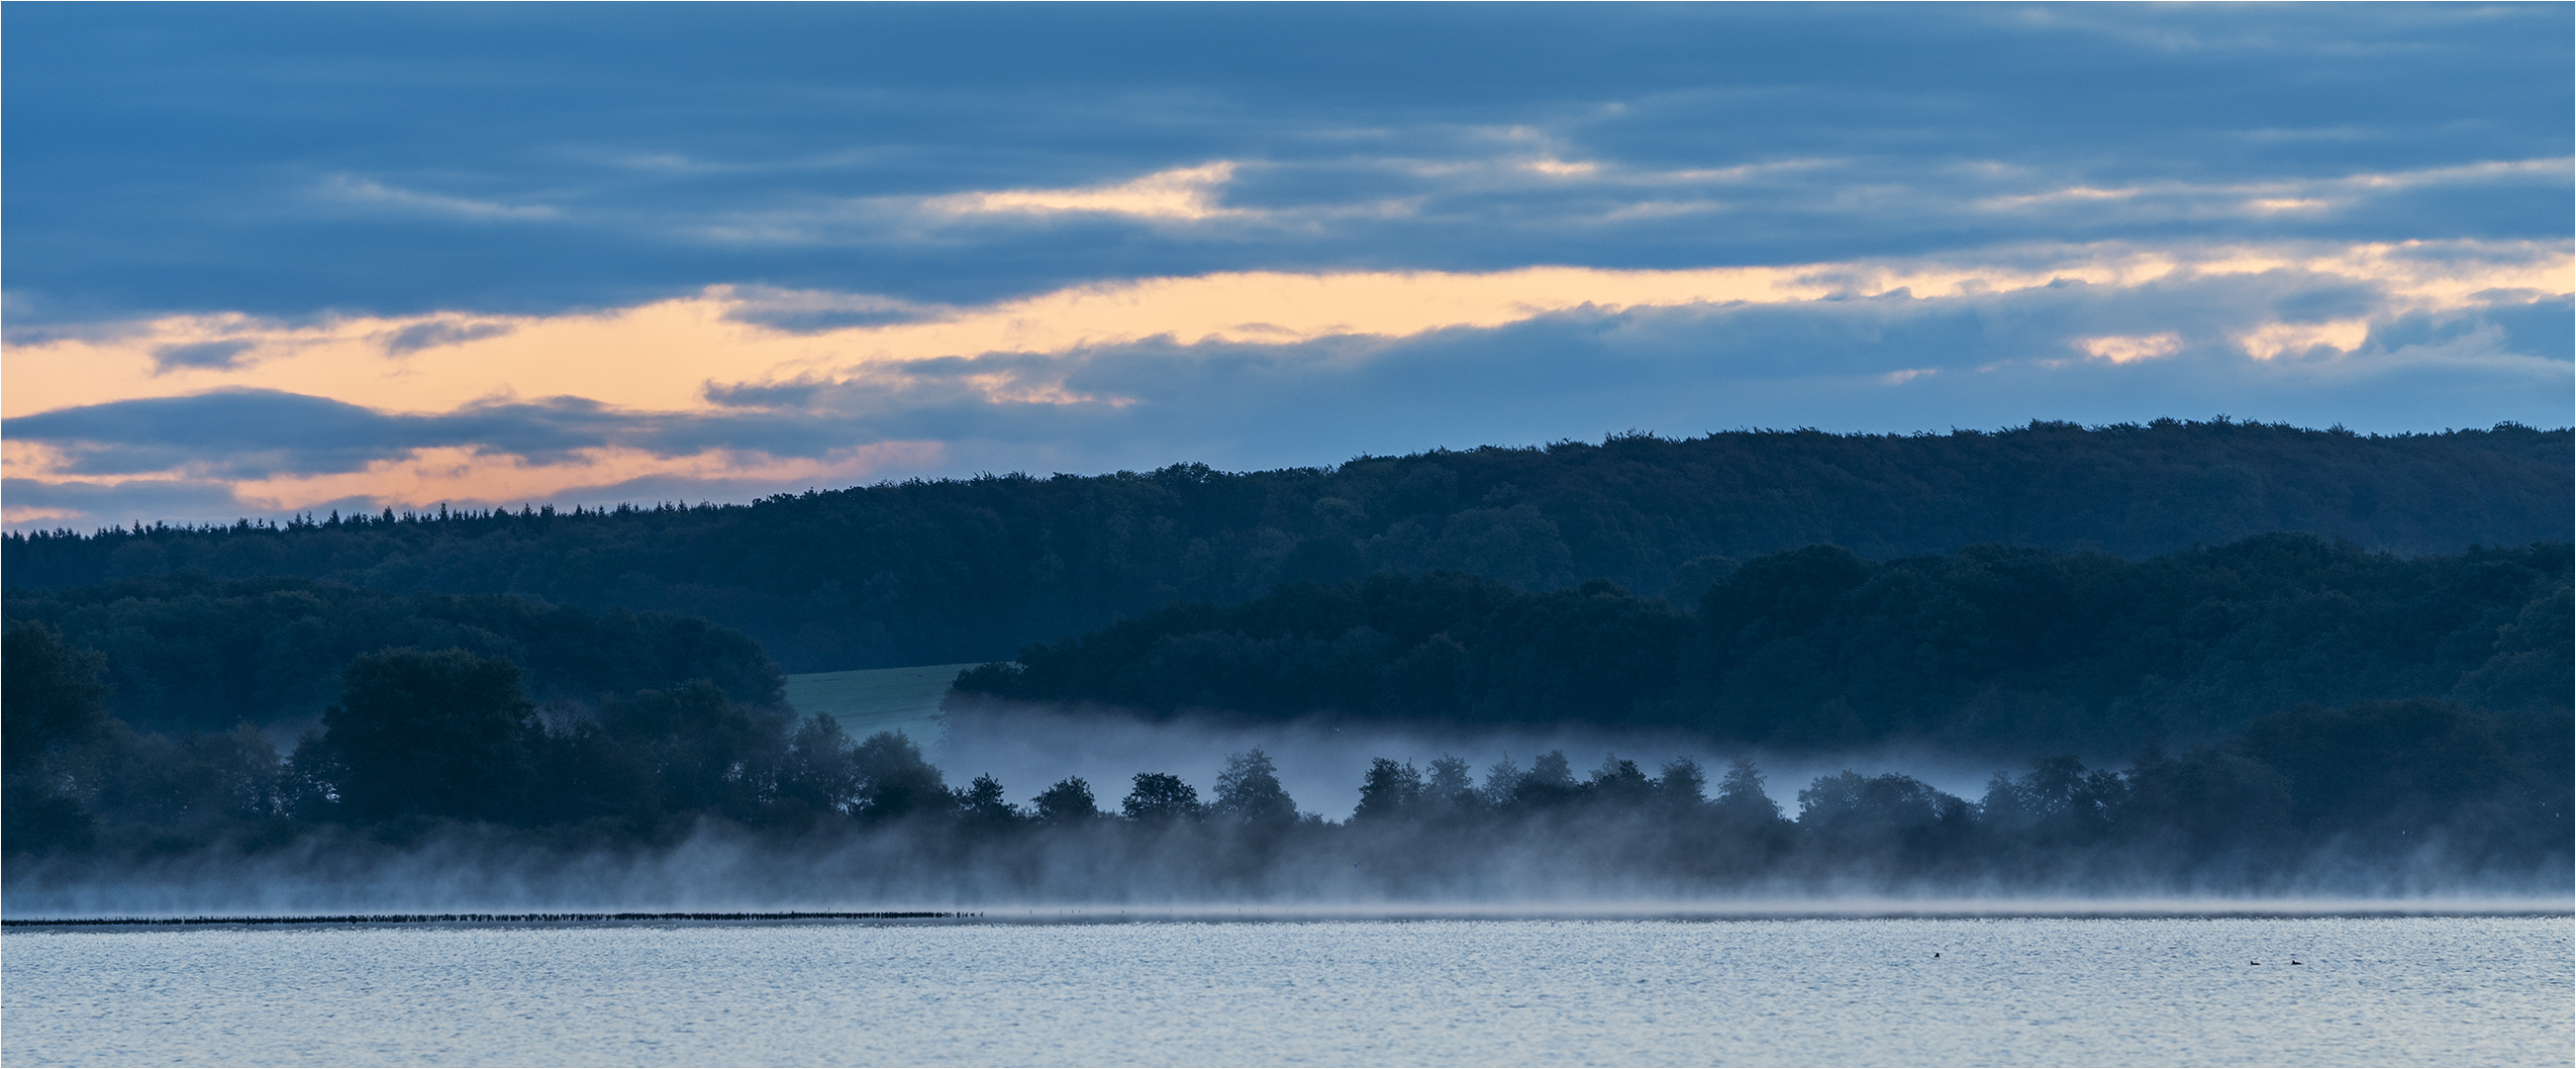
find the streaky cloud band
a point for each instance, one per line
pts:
(718, 395)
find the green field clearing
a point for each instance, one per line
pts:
(878, 699)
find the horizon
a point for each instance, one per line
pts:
(424, 514)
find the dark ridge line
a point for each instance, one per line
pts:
(485, 918)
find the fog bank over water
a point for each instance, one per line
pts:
(711, 874)
(1567, 865)
(720, 871)
(690, 802)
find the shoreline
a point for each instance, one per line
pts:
(2232, 909)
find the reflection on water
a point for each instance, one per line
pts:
(2455, 990)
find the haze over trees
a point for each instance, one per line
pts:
(2378, 795)
(951, 571)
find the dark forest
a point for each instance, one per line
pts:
(2218, 656)
(1991, 649)
(971, 570)
(186, 653)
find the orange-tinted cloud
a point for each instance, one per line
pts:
(661, 356)
(701, 389)
(2131, 348)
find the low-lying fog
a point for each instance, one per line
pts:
(1321, 763)
(1894, 850)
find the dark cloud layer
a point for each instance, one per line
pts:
(288, 161)
(828, 163)
(1867, 365)
(217, 354)
(242, 434)
(421, 336)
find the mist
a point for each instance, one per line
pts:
(1944, 846)
(1577, 868)
(1319, 758)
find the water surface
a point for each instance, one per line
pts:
(2005, 991)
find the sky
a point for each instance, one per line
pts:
(262, 261)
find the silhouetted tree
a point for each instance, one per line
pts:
(50, 695)
(1068, 802)
(1681, 786)
(1619, 784)
(1248, 792)
(196, 789)
(1549, 782)
(982, 804)
(894, 780)
(702, 747)
(440, 733)
(820, 774)
(2057, 799)
(1389, 791)
(1742, 798)
(1159, 798)
(52, 708)
(1893, 819)
(1449, 788)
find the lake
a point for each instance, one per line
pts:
(1995, 990)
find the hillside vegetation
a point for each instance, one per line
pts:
(188, 653)
(1992, 649)
(938, 572)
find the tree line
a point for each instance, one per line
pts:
(189, 653)
(415, 736)
(423, 741)
(1989, 649)
(959, 570)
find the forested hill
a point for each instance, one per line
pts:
(931, 572)
(191, 654)
(1994, 649)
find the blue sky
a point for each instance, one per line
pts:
(274, 259)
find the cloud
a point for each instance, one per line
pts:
(179, 171)
(259, 257)
(437, 333)
(2274, 339)
(219, 355)
(237, 433)
(2182, 199)
(811, 311)
(276, 452)
(1184, 194)
(668, 355)
(2130, 348)
(2450, 336)
(373, 193)
(77, 504)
